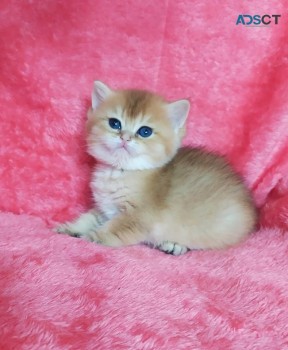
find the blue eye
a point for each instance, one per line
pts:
(115, 123)
(145, 131)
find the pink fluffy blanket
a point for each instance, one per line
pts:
(59, 292)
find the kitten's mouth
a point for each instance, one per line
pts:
(124, 149)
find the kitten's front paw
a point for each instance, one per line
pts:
(82, 226)
(67, 229)
(106, 238)
(72, 230)
(172, 248)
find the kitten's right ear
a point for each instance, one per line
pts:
(100, 93)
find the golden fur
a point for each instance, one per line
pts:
(151, 190)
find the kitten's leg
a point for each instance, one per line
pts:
(120, 231)
(83, 225)
(172, 248)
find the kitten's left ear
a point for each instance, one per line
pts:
(100, 93)
(178, 112)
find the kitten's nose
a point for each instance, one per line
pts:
(125, 136)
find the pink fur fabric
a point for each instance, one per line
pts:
(58, 292)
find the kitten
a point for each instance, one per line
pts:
(149, 190)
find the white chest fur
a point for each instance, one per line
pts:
(113, 190)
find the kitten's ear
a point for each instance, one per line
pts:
(100, 93)
(178, 112)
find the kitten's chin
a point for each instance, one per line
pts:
(121, 159)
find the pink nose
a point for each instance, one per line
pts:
(125, 136)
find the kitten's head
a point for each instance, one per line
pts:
(134, 129)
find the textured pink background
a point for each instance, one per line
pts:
(61, 293)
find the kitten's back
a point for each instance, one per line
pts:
(199, 169)
(206, 204)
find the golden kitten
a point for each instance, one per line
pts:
(149, 190)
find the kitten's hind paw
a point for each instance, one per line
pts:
(172, 248)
